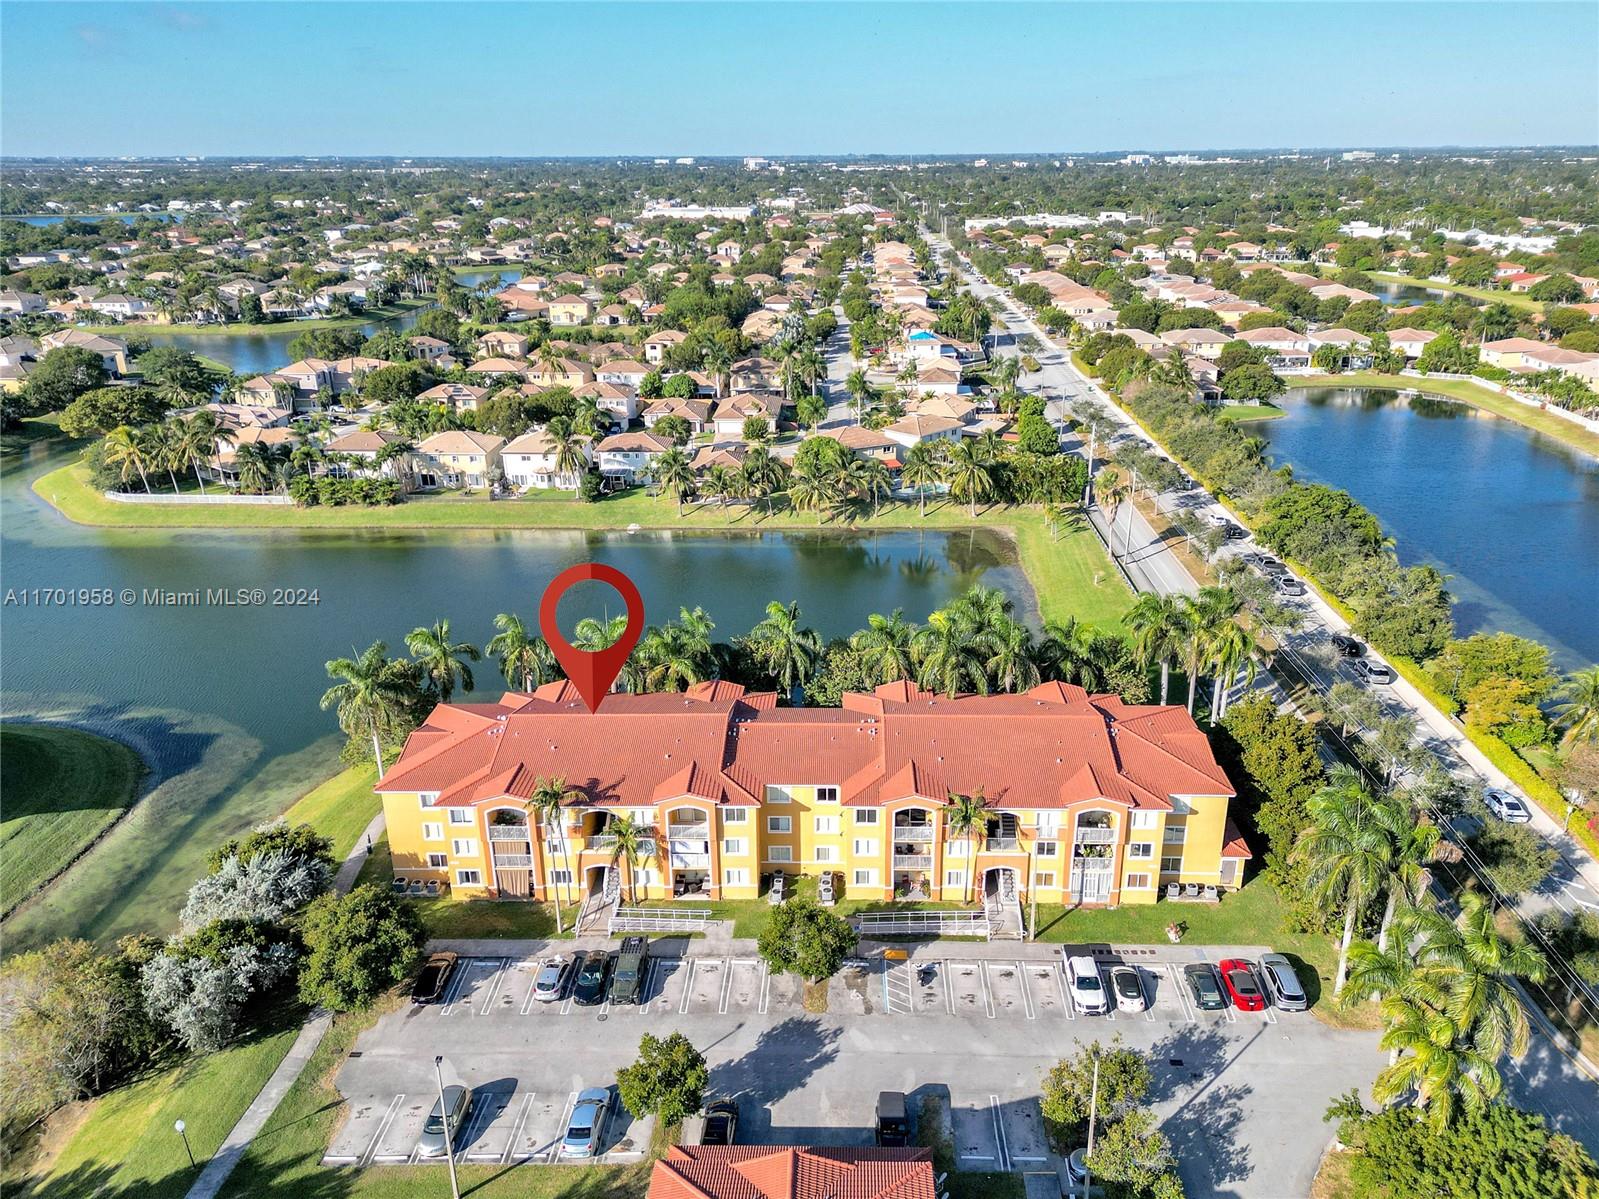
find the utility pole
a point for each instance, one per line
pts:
(1093, 1111)
(449, 1141)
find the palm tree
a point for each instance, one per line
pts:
(1578, 710)
(252, 465)
(1433, 1060)
(1067, 652)
(632, 843)
(1203, 616)
(886, 647)
(125, 450)
(786, 650)
(549, 797)
(1111, 488)
(1231, 648)
(592, 635)
(718, 483)
(1011, 665)
(673, 473)
(966, 819)
(668, 659)
(1408, 876)
(718, 362)
(813, 489)
(199, 440)
(1348, 849)
(859, 388)
(869, 479)
(809, 366)
(1156, 622)
(921, 470)
(524, 657)
(949, 655)
(443, 662)
(370, 696)
(567, 452)
(967, 470)
(763, 472)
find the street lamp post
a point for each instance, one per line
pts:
(449, 1142)
(182, 1130)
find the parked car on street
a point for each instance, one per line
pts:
(1506, 806)
(458, 1102)
(1368, 671)
(627, 979)
(431, 984)
(1282, 983)
(552, 980)
(1087, 988)
(721, 1122)
(585, 1130)
(1204, 987)
(1243, 988)
(1128, 987)
(592, 974)
(1289, 585)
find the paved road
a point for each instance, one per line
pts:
(1574, 883)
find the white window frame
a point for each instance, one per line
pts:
(776, 793)
(642, 876)
(733, 847)
(560, 877)
(864, 877)
(428, 798)
(1144, 819)
(1180, 807)
(865, 847)
(462, 816)
(468, 878)
(1167, 868)
(780, 853)
(827, 795)
(825, 826)
(827, 855)
(432, 832)
(438, 861)
(736, 876)
(1175, 834)
(1138, 882)
(1046, 849)
(1043, 878)
(954, 878)
(1048, 824)
(1143, 851)
(464, 847)
(736, 816)
(866, 815)
(780, 824)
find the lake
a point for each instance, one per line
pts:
(257, 353)
(1510, 514)
(42, 219)
(226, 698)
(1404, 295)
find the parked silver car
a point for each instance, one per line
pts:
(1087, 988)
(554, 977)
(458, 1102)
(1282, 983)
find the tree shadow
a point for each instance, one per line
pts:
(783, 1059)
(1205, 1126)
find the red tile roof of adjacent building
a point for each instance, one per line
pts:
(792, 1172)
(1051, 747)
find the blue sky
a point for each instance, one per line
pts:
(788, 78)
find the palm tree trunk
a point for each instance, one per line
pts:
(144, 477)
(195, 462)
(1343, 950)
(377, 748)
(1165, 678)
(1387, 918)
(1193, 684)
(1215, 697)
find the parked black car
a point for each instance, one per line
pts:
(893, 1120)
(721, 1122)
(592, 976)
(1204, 986)
(1347, 646)
(627, 980)
(434, 980)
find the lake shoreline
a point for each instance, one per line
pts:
(239, 329)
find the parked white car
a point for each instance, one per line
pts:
(1087, 988)
(1506, 806)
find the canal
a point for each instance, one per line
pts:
(226, 699)
(1510, 514)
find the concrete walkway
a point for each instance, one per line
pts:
(293, 1064)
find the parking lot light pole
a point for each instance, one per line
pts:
(1093, 1110)
(449, 1144)
(182, 1130)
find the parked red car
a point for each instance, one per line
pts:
(1243, 988)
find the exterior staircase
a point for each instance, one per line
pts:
(1004, 910)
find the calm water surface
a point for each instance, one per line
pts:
(1511, 515)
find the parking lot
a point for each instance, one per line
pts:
(1242, 1093)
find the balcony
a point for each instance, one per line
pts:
(513, 861)
(918, 834)
(700, 831)
(1001, 845)
(690, 861)
(1095, 836)
(509, 832)
(913, 861)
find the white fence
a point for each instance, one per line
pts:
(139, 497)
(1532, 401)
(921, 924)
(660, 920)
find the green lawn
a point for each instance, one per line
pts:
(1248, 412)
(1510, 299)
(387, 312)
(127, 1144)
(63, 788)
(1071, 575)
(1466, 392)
(14, 443)
(340, 808)
(285, 1159)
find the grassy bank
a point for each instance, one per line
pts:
(1248, 412)
(1467, 392)
(339, 809)
(241, 329)
(1511, 299)
(1071, 575)
(63, 789)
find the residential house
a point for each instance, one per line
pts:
(696, 412)
(793, 1172)
(657, 345)
(428, 349)
(1410, 342)
(755, 374)
(622, 403)
(1507, 352)
(562, 372)
(866, 443)
(622, 372)
(530, 461)
(914, 428)
(20, 303)
(458, 458)
(366, 445)
(1285, 350)
(570, 310)
(458, 397)
(629, 458)
(1567, 362)
(1206, 343)
(1092, 801)
(113, 351)
(501, 343)
(497, 368)
(727, 420)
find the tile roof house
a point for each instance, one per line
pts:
(530, 461)
(457, 458)
(792, 1172)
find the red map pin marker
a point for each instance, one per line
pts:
(591, 672)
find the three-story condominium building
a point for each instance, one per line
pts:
(1089, 799)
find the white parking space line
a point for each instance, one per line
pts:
(1027, 998)
(1269, 1016)
(688, 986)
(516, 1127)
(949, 989)
(485, 1111)
(1232, 1013)
(533, 969)
(462, 969)
(560, 1135)
(727, 985)
(383, 1124)
(988, 996)
(1003, 1147)
(1182, 998)
(766, 991)
(500, 970)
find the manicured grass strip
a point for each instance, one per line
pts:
(1511, 299)
(387, 312)
(1071, 575)
(127, 1144)
(1467, 392)
(340, 808)
(63, 788)
(1249, 412)
(286, 1158)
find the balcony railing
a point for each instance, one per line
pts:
(690, 832)
(690, 861)
(509, 832)
(913, 861)
(1095, 836)
(1001, 844)
(513, 861)
(919, 834)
